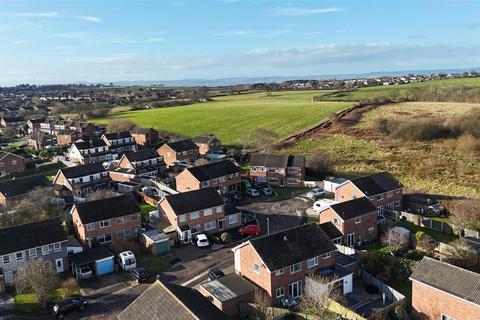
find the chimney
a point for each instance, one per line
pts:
(285, 238)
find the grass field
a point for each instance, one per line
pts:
(228, 117)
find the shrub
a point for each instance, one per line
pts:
(374, 263)
(468, 144)
(419, 130)
(69, 287)
(419, 235)
(318, 164)
(382, 125)
(226, 237)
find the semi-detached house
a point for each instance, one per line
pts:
(185, 151)
(89, 151)
(144, 163)
(277, 169)
(19, 244)
(120, 142)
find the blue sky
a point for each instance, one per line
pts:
(58, 41)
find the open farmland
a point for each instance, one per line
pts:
(230, 116)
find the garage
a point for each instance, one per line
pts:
(156, 242)
(99, 260)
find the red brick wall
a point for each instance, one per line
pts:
(345, 192)
(432, 303)
(185, 181)
(7, 166)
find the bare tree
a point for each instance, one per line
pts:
(427, 243)
(459, 253)
(263, 303)
(394, 240)
(101, 194)
(117, 125)
(245, 140)
(38, 277)
(318, 293)
(465, 213)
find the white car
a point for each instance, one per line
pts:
(252, 192)
(84, 273)
(215, 155)
(322, 204)
(316, 192)
(267, 191)
(202, 241)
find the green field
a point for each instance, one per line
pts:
(231, 116)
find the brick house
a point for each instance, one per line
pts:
(11, 163)
(445, 292)
(40, 141)
(179, 151)
(145, 137)
(65, 137)
(12, 122)
(197, 211)
(12, 192)
(54, 126)
(277, 169)
(206, 143)
(356, 219)
(45, 239)
(382, 189)
(107, 220)
(224, 176)
(280, 262)
(89, 151)
(144, 163)
(120, 142)
(79, 180)
(34, 124)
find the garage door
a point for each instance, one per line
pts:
(162, 247)
(104, 266)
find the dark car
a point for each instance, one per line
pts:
(140, 274)
(215, 273)
(61, 307)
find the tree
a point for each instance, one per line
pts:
(465, 213)
(318, 292)
(264, 139)
(117, 125)
(394, 240)
(38, 277)
(226, 237)
(245, 140)
(263, 303)
(318, 164)
(459, 253)
(101, 194)
(427, 243)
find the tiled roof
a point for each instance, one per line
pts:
(81, 145)
(117, 135)
(330, 230)
(276, 160)
(183, 145)
(82, 170)
(142, 155)
(19, 186)
(285, 248)
(228, 287)
(445, 277)
(191, 201)
(90, 255)
(353, 208)
(214, 170)
(108, 208)
(376, 183)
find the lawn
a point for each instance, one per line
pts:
(27, 303)
(437, 235)
(286, 192)
(153, 264)
(379, 247)
(229, 117)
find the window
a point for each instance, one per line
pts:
(8, 276)
(134, 217)
(204, 184)
(90, 226)
(135, 232)
(444, 317)
(312, 262)
(194, 215)
(121, 234)
(14, 162)
(195, 229)
(371, 229)
(57, 247)
(121, 220)
(326, 256)
(105, 224)
(279, 272)
(181, 218)
(389, 194)
(233, 219)
(104, 238)
(358, 220)
(380, 196)
(207, 212)
(336, 222)
(6, 259)
(256, 268)
(280, 292)
(295, 268)
(19, 256)
(32, 253)
(45, 250)
(397, 203)
(210, 225)
(219, 209)
(371, 198)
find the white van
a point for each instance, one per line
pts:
(126, 260)
(322, 204)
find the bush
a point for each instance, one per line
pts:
(468, 144)
(382, 125)
(374, 263)
(69, 287)
(419, 235)
(414, 255)
(226, 237)
(422, 130)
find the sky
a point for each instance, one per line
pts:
(65, 41)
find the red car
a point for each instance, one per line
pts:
(250, 229)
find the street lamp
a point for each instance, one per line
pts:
(268, 225)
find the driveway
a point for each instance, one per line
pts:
(105, 284)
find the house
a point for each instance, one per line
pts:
(80, 180)
(11, 163)
(145, 137)
(12, 122)
(41, 141)
(279, 263)
(277, 169)
(34, 124)
(206, 143)
(144, 163)
(224, 176)
(356, 219)
(332, 232)
(382, 189)
(13, 191)
(41, 239)
(120, 142)
(185, 151)
(54, 126)
(107, 220)
(197, 211)
(446, 292)
(99, 259)
(89, 151)
(226, 293)
(66, 137)
(163, 301)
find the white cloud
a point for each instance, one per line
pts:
(251, 33)
(234, 33)
(154, 40)
(45, 14)
(73, 35)
(90, 18)
(290, 11)
(18, 42)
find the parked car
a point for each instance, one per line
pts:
(215, 155)
(202, 241)
(215, 273)
(267, 191)
(84, 273)
(435, 209)
(316, 192)
(126, 260)
(250, 229)
(252, 192)
(139, 274)
(64, 306)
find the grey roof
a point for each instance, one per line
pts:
(330, 230)
(155, 235)
(228, 287)
(214, 170)
(143, 130)
(353, 208)
(90, 256)
(454, 280)
(20, 186)
(14, 119)
(31, 235)
(195, 200)
(117, 135)
(285, 248)
(107, 208)
(377, 183)
(183, 145)
(276, 160)
(92, 143)
(142, 155)
(83, 170)
(206, 139)
(163, 301)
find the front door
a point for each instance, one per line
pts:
(220, 224)
(59, 265)
(294, 289)
(281, 182)
(350, 239)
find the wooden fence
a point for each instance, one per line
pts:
(419, 220)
